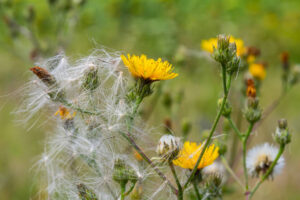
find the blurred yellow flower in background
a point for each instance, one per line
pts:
(210, 44)
(189, 154)
(257, 70)
(148, 69)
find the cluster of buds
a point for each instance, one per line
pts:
(225, 54)
(282, 135)
(253, 111)
(290, 74)
(124, 173)
(168, 147)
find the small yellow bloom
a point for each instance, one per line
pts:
(190, 153)
(64, 113)
(210, 44)
(148, 69)
(251, 59)
(258, 71)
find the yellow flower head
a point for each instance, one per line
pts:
(65, 113)
(210, 44)
(148, 69)
(258, 71)
(190, 153)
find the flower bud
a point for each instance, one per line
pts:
(252, 112)
(227, 108)
(49, 80)
(221, 54)
(123, 173)
(168, 147)
(234, 64)
(282, 135)
(91, 79)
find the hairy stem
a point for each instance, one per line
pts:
(129, 138)
(180, 191)
(214, 126)
(245, 138)
(233, 126)
(196, 190)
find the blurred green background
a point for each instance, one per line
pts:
(171, 29)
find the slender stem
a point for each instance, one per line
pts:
(196, 190)
(231, 172)
(123, 188)
(244, 154)
(225, 79)
(129, 138)
(233, 126)
(270, 170)
(212, 129)
(180, 191)
(130, 189)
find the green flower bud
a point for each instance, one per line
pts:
(227, 108)
(123, 173)
(91, 79)
(282, 135)
(253, 112)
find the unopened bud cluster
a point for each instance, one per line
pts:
(282, 134)
(225, 54)
(168, 147)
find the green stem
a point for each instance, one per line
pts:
(180, 191)
(244, 154)
(233, 126)
(270, 170)
(212, 129)
(130, 189)
(196, 190)
(123, 188)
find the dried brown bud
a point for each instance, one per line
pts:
(44, 75)
(253, 51)
(284, 57)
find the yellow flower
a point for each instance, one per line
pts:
(190, 153)
(65, 113)
(210, 44)
(258, 71)
(251, 59)
(148, 69)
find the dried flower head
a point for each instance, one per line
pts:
(189, 154)
(168, 146)
(260, 158)
(258, 71)
(148, 69)
(210, 44)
